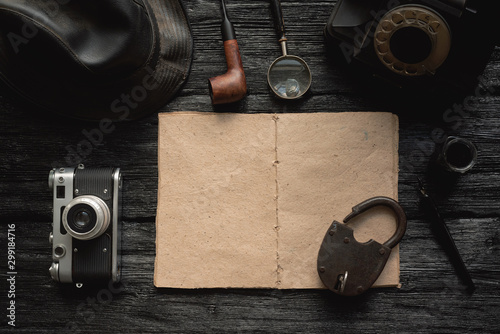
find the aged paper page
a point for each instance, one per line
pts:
(244, 200)
(216, 201)
(327, 164)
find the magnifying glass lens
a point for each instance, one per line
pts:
(289, 77)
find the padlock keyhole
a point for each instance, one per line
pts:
(340, 284)
(340, 278)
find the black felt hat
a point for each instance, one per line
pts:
(95, 59)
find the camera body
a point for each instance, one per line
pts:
(423, 44)
(86, 236)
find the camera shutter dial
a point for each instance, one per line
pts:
(412, 40)
(86, 217)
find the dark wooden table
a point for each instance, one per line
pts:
(432, 298)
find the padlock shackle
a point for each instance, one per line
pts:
(390, 203)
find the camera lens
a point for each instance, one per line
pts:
(410, 45)
(86, 217)
(81, 218)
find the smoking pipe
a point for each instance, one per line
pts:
(230, 86)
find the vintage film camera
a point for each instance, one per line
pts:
(423, 44)
(86, 225)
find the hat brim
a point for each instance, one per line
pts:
(145, 91)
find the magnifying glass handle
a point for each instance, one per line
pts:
(278, 18)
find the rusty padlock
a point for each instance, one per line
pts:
(348, 267)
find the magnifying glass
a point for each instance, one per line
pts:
(288, 76)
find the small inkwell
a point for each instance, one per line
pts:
(457, 155)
